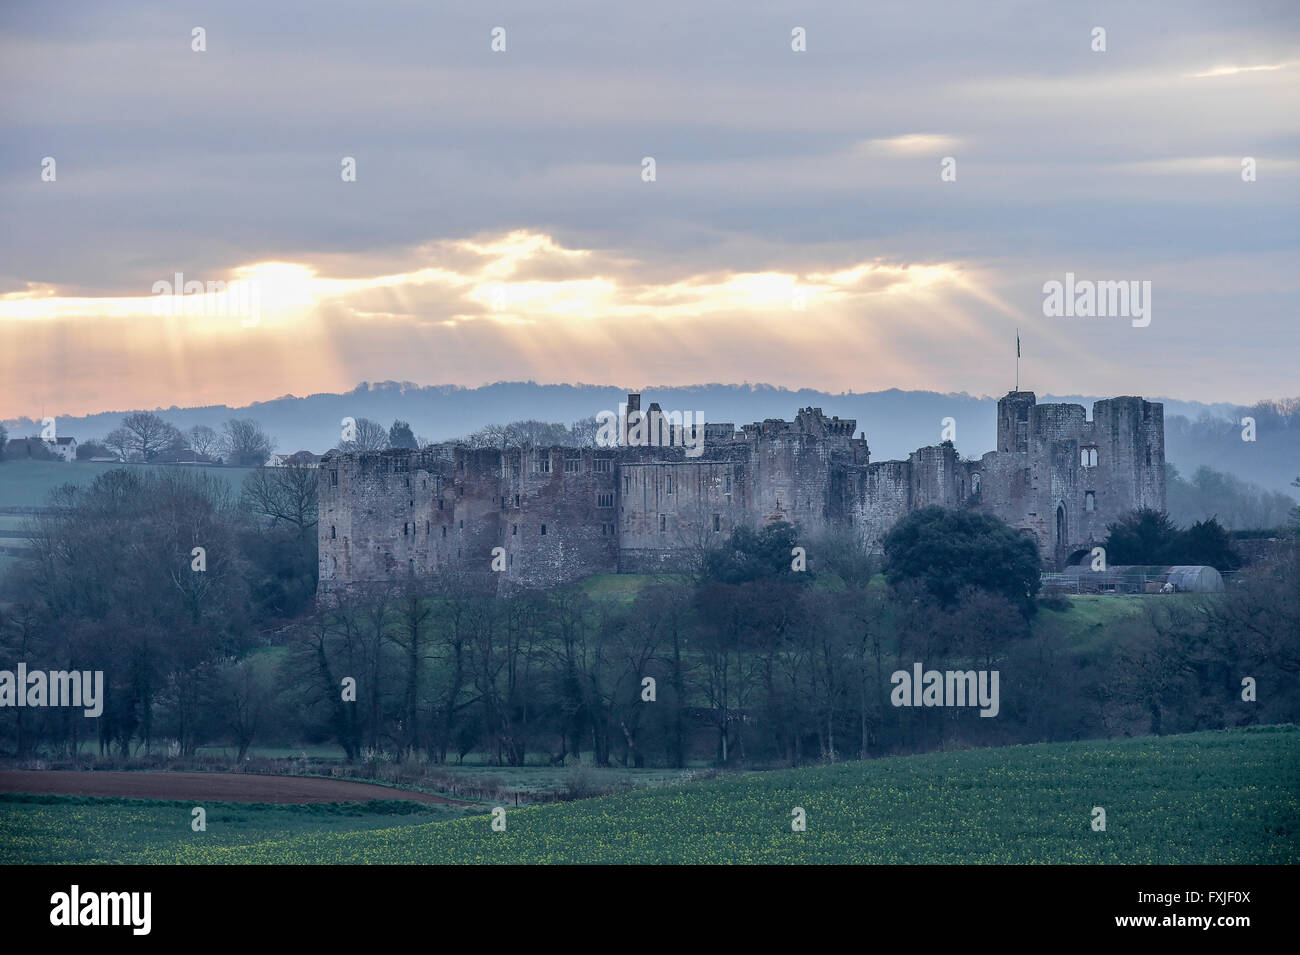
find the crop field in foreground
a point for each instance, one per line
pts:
(88, 830)
(1212, 797)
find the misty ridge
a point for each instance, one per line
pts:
(895, 422)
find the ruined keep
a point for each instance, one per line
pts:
(561, 513)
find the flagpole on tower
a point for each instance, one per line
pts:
(1017, 359)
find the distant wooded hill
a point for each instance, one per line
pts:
(895, 422)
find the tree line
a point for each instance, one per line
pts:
(755, 658)
(165, 579)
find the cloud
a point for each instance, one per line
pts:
(1234, 70)
(499, 225)
(910, 144)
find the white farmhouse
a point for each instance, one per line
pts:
(65, 449)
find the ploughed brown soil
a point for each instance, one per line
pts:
(215, 787)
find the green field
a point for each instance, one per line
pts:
(67, 829)
(1215, 797)
(623, 588)
(27, 483)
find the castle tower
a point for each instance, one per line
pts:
(1014, 411)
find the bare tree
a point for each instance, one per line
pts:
(370, 436)
(583, 433)
(493, 436)
(119, 442)
(696, 539)
(415, 610)
(244, 693)
(521, 434)
(204, 440)
(244, 443)
(286, 494)
(541, 434)
(147, 436)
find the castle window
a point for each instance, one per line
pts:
(600, 464)
(516, 500)
(543, 530)
(605, 500)
(426, 527)
(1087, 457)
(670, 482)
(444, 530)
(410, 503)
(462, 525)
(424, 483)
(572, 465)
(405, 527)
(663, 523)
(717, 523)
(503, 502)
(975, 483)
(1089, 501)
(727, 484)
(543, 463)
(514, 530)
(408, 482)
(332, 534)
(1148, 457)
(334, 479)
(440, 504)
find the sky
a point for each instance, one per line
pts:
(879, 209)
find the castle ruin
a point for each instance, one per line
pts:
(562, 513)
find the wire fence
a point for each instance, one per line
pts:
(1105, 582)
(1102, 583)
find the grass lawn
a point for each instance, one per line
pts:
(27, 483)
(1091, 620)
(311, 750)
(623, 588)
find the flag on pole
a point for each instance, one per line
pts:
(1017, 344)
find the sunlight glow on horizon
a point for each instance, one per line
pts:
(470, 311)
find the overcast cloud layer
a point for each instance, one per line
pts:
(499, 226)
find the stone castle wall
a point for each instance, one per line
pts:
(565, 513)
